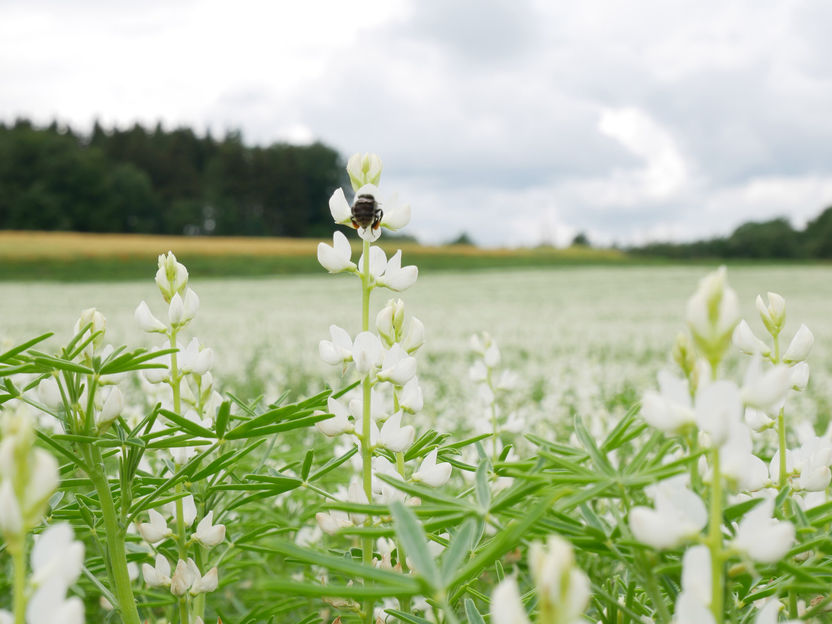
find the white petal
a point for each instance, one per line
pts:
(339, 208)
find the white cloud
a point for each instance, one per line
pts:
(487, 112)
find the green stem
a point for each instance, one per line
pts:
(781, 438)
(19, 559)
(366, 448)
(175, 379)
(119, 577)
(715, 539)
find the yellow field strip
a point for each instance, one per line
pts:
(23, 245)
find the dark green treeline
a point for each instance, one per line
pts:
(159, 181)
(775, 239)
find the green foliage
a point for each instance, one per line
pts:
(162, 182)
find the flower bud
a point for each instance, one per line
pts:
(98, 323)
(176, 311)
(773, 314)
(414, 335)
(364, 169)
(171, 277)
(191, 305)
(712, 313)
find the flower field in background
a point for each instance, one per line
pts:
(553, 446)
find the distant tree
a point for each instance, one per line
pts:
(581, 240)
(817, 237)
(768, 239)
(463, 239)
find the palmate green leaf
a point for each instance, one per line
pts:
(221, 422)
(226, 459)
(471, 612)
(298, 423)
(412, 537)
(482, 489)
(133, 361)
(625, 430)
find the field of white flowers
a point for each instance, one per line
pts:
(559, 446)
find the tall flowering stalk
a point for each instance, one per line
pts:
(381, 357)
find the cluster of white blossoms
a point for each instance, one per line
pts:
(184, 377)
(720, 415)
(491, 383)
(375, 414)
(563, 589)
(28, 477)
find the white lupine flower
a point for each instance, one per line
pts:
(367, 352)
(411, 399)
(562, 589)
(679, 515)
(812, 460)
(738, 462)
(356, 494)
(397, 366)
(190, 304)
(800, 346)
(712, 314)
(506, 606)
(161, 374)
(205, 584)
(478, 373)
(188, 509)
(745, 340)
(172, 276)
(768, 614)
(396, 277)
(763, 538)
(508, 380)
(339, 423)
(207, 533)
(48, 606)
(49, 393)
(339, 208)
(800, 376)
(766, 390)
(336, 258)
(194, 358)
(331, 522)
(385, 548)
(696, 573)
(757, 419)
(158, 575)
(377, 410)
(396, 213)
(339, 349)
(176, 311)
(394, 436)
(432, 473)
(384, 492)
(146, 321)
(689, 610)
(99, 324)
(773, 314)
(44, 479)
(670, 409)
(378, 262)
(57, 556)
(156, 530)
(364, 169)
(112, 407)
(11, 517)
(718, 406)
(413, 335)
(183, 577)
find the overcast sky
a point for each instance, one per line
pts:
(518, 121)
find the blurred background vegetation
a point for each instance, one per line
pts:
(174, 182)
